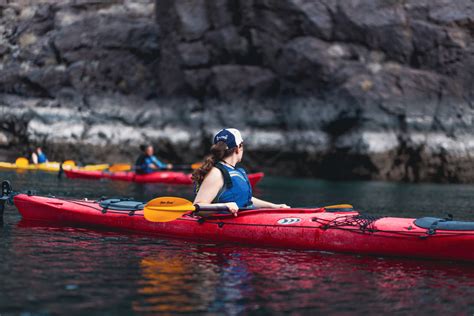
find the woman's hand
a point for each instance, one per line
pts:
(281, 206)
(233, 207)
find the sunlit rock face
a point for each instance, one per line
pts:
(371, 89)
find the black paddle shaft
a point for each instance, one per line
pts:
(211, 208)
(181, 167)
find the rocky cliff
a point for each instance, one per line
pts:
(372, 89)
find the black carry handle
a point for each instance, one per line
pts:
(181, 167)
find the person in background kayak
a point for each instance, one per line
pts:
(220, 179)
(38, 156)
(148, 163)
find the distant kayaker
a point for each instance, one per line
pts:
(38, 156)
(148, 163)
(220, 179)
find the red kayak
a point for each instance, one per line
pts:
(170, 177)
(299, 228)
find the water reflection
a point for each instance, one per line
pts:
(56, 269)
(168, 285)
(234, 280)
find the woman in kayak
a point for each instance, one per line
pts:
(38, 156)
(220, 180)
(148, 163)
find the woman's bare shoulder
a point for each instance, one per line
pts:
(214, 174)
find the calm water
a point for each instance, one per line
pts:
(47, 270)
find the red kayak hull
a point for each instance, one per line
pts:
(169, 177)
(266, 227)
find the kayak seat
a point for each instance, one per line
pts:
(121, 205)
(443, 224)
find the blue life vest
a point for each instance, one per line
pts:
(142, 166)
(236, 187)
(42, 158)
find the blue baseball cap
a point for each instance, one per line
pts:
(230, 136)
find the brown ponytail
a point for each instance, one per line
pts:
(219, 151)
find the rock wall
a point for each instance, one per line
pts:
(371, 89)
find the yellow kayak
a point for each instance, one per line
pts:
(9, 165)
(23, 164)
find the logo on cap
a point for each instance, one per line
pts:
(230, 136)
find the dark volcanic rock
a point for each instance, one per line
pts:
(371, 89)
(55, 45)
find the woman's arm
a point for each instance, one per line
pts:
(156, 163)
(209, 189)
(264, 204)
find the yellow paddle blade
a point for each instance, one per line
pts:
(120, 167)
(71, 163)
(21, 162)
(99, 167)
(170, 203)
(167, 208)
(196, 165)
(339, 206)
